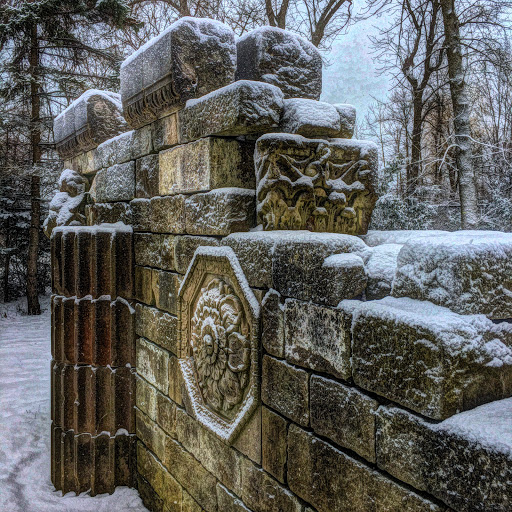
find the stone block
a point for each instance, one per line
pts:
(175, 381)
(91, 119)
(116, 150)
(150, 433)
(108, 213)
(228, 502)
(344, 415)
(165, 486)
(262, 493)
(274, 443)
(248, 441)
(141, 214)
(168, 214)
(241, 108)
(182, 465)
(467, 272)
(206, 164)
(190, 504)
(285, 388)
(184, 248)
(152, 364)
(465, 461)
(117, 183)
(310, 118)
(83, 163)
(429, 358)
(317, 337)
(189, 59)
(166, 414)
(347, 119)
(315, 469)
(306, 266)
(164, 132)
(157, 326)
(147, 176)
(145, 285)
(166, 291)
(148, 249)
(319, 185)
(146, 397)
(220, 212)
(276, 56)
(272, 324)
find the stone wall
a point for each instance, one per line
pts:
(266, 380)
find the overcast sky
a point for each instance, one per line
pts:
(352, 75)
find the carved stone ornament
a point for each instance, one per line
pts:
(218, 324)
(313, 184)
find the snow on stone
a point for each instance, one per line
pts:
(343, 261)
(373, 237)
(25, 484)
(489, 425)
(469, 272)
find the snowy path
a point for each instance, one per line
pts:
(25, 425)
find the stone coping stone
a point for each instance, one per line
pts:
(297, 264)
(191, 58)
(206, 164)
(92, 118)
(311, 118)
(469, 272)
(466, 460)
(240, 108)
(315, 184)
(428, 358)
(279, 57)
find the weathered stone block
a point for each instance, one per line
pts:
(310, 118)
(228, 502)
(146, 280)
(307, 266)
(108, 213)
(428, 358)
(147, 176)
(152, 364)
(166, 291)
(248, 441)
(317, 338)
(151, 435)
(146, 397)
(164, 132)
(168, 214)
(241, 108)
(468, 272)
(261, 492)
(220, 212)
(206, 164)
(315, 469)
(272, 324)
(274, 442)
(157, 326)
(113, 151)
(117, 183)
(343, 414)
(141, 214)
(176, 384)
(464, 461)
(148, 249)
(92, 118)
(347, 119)
(323, 186)
(273, 55)
(285, 389)
(189, 59)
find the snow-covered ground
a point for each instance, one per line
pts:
(25, 484)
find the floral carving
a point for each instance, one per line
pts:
(316, 185)
(220, 346)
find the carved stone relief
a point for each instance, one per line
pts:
(218, 322)
(318, 185)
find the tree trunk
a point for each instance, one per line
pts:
(461, 113)
(417, 124)
(33, 307)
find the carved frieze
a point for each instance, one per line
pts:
(218, 323)
(313, 184)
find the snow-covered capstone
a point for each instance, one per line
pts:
(468, 271)
(91, 119)
(279, 57)
(191, 58)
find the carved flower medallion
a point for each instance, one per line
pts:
(219, 359)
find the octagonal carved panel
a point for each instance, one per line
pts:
(218, 317)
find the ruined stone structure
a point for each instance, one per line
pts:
(227, 337)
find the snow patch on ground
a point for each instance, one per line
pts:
(25, 484)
